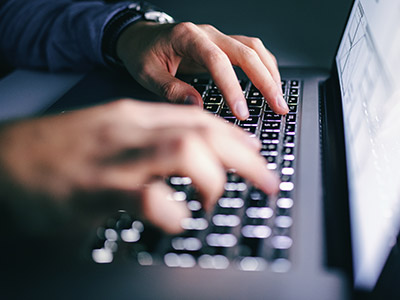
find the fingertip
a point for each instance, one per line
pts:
(254, 142)
(162, 209)
(240, 110)
(271, 183)
(250, 140)
(211, 196)
(193, 100)
(210, 200)
(283, 107)
(267, 181)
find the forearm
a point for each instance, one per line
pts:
(54, 35)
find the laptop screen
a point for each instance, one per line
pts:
(368, 62)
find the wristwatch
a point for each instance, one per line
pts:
(120, 21)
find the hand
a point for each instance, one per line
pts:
(91, 162)
(153, 53)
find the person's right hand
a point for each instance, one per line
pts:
(91, 162)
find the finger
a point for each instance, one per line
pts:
(205, 160)
(191, 42)
(179, 152)
(266, 57)
(251, 63)
(192, 117)
(247, 163)
(160, 209)
(157, 116)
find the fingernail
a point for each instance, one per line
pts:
(191, 100)
(241, 110)
(282, 103)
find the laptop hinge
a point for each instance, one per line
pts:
(335, 188)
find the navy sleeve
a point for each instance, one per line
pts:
(54, 34)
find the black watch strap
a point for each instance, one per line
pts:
(113, 30)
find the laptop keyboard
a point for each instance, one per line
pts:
(247, 229)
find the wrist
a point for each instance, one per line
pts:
(131, 36)
(125, 19)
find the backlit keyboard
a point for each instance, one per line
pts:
(247, 229)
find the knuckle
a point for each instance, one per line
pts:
(247, 52)
(184, 28)
(255, 42)
(111, 120)
(169, 90)
(121, 105)
(106, 133)
(208, 27)
(274, 59)
(205, 130)
(184, 144)
(216, 56)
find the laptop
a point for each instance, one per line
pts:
(331, 233)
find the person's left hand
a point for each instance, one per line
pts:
(153, 53)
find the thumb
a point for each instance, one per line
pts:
(173, 89)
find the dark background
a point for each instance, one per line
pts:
(301, 33)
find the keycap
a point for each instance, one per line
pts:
(226, 220)
(290, 118)
(186, 244)
(233, 177)
(271, 126)
(231, 203)
(272, 117)
(259, 212)
(269, 147)
(230, 119)
(286, 178)
(257, 195)
(213, 99)
(290, 128)
(293, 100)
(221, 240)
(269, 136)
(271, 159)
(258, 231)
(254, 95)
(281, 242)
(211, 108)
(288, 139)
(250, 129)
(250, 121)
(254, 111)
(255, 102)
(226, 112)
(292, 108)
